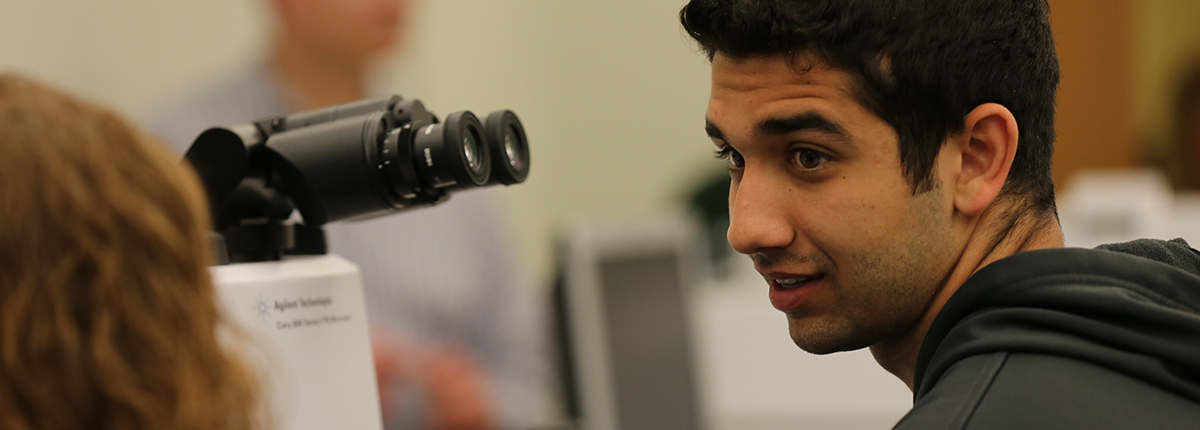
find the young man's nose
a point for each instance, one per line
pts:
(758, 218)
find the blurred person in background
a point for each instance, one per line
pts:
(456, 346)
(1182, 161)
(108, 317)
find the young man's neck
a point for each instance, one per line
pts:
(314, 79)
(996, 235)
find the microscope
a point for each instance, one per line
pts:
(298, 311)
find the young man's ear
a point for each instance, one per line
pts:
(986, 147)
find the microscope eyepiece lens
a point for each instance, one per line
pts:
(511, 149)
(454, 152)
(473, 148)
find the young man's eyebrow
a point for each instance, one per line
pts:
(712, 130)
(802, 122)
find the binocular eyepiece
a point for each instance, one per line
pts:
(353, 161)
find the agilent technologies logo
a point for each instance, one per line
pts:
(264, 306)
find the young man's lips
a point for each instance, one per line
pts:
(789, 292)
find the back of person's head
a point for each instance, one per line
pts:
(107, 311)
(1183, 154)
(920, 65)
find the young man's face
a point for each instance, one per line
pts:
(819, 202)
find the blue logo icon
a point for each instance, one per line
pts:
(261, 307)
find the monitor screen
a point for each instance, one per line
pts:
(622, 305)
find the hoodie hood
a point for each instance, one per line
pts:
(1132, 307)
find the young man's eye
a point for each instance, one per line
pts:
(809, 158)
(735, 158)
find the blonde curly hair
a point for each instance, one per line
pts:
(107, 312)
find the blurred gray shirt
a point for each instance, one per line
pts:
(433, 274)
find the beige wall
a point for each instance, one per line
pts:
(131, 54)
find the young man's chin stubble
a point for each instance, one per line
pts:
(883, 291)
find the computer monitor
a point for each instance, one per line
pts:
(623, 311)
